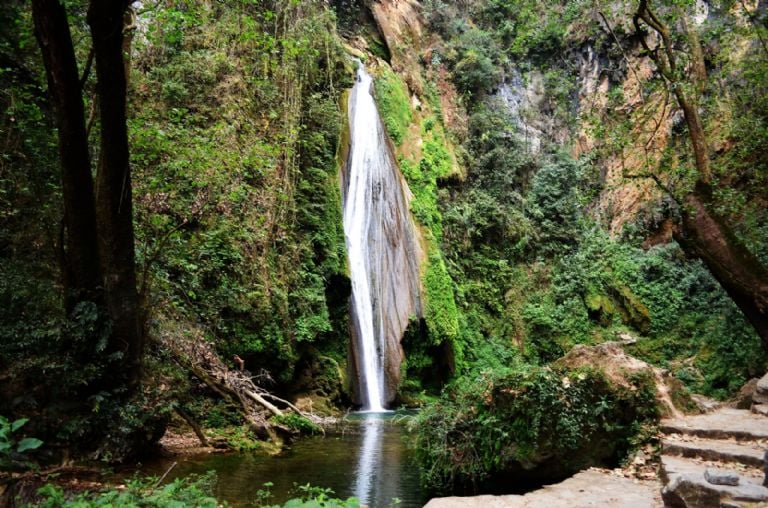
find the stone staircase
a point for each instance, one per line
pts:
(717, 458)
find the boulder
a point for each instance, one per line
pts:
(705, 404)
(743, 399)
(760, 396)
(619, 367)
(683, 492)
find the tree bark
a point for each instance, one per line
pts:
(114, 205)
(80, 270)
(705, 236)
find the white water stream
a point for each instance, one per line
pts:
(367, 158)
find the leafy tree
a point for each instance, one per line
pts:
(703, 233)
(97, 248)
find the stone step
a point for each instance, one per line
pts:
(760, 409)
(724, 423)
(687, 486)
(587, 489)
(711, 449)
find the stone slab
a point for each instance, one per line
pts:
(584, 490)
(687, 486)
(712, 449)
(723, 423)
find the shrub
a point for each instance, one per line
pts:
(538, 420)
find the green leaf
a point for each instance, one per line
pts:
(28, 443)
(18, 424)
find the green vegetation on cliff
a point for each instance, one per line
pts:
(233, 125)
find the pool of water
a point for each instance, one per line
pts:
(367, 456)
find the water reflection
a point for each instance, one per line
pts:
(366, 457)
(369, 475)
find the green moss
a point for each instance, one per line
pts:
(297, 423)
(440, 311)
(393, 103)
(422, 178)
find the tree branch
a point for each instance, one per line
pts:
(87, 70)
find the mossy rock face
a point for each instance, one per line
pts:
(633, 311)
(394, 103)
(619, 302)
(601, 308)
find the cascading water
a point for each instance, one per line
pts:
(382, 250)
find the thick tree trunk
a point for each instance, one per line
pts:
(82, 277)
(114, 205)
(743, 277)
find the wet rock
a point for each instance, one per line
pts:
(720, 477)
(383, 245)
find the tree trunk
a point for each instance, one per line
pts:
(703, 235)
(114, 206)
(80, 270)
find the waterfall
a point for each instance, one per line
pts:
(382, 250)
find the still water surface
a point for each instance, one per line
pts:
(366, 457)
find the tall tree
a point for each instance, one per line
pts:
(702, 232)
(114, 204)
(99, 256)
(80, 259)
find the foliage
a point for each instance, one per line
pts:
(507, 421)
(13, 450)
(195, 491)
(477, 67)
(393, 103)
(192, 491)
(315, 497)
(233, 125)
(240, 438)
(557, 198)
(440, 309)
(234, 135)
(534, 272)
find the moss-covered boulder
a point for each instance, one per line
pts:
(532, 423)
